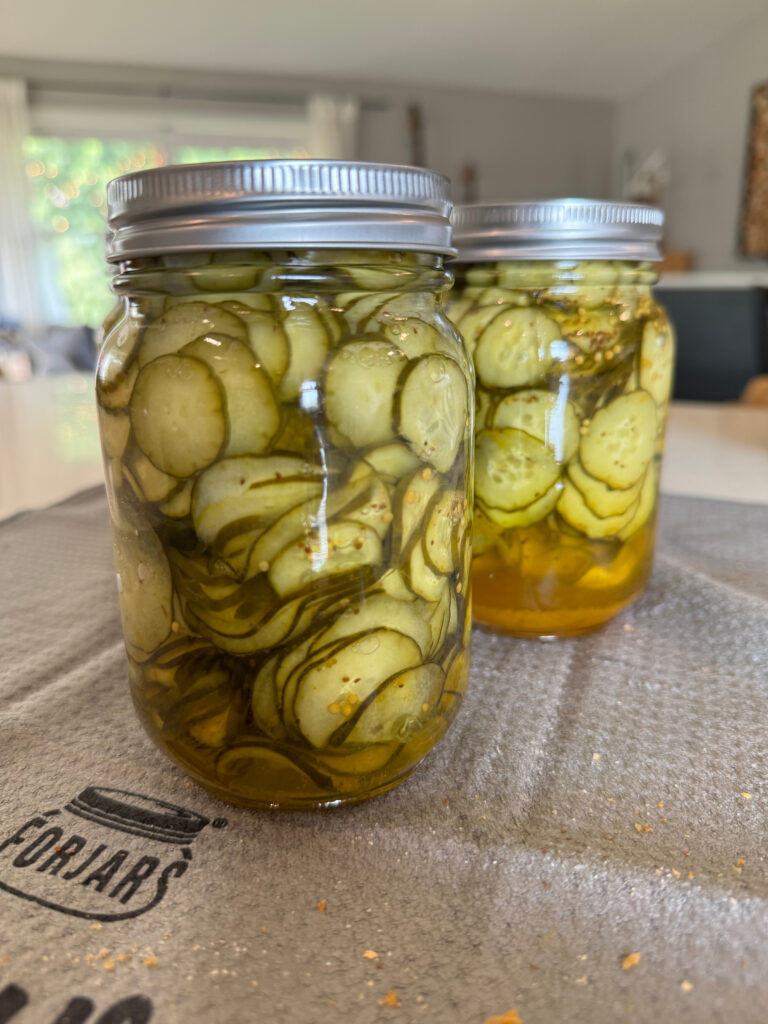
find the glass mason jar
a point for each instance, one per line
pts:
(574, 361)
(286, 418)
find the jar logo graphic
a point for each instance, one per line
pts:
(108, 855)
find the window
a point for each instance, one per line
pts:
(78, 147)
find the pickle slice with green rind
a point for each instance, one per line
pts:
(423, 580)
(348, 677)
(148, 482)
(520, 517)
(472, 324)
(114, 429)
(645, 505)
(546, 415)
(308, 345)
(575, 511)
(252, 413)
(432, 409)
(444, 531)
(360, 387)
(602, 499)
(179, 504)
(620, 439)
(178, 415)
(144, 587)
(266, 339)
(512, 469)
(657, 360)
(185, 323)
(257, 767)
(392, 461)
(406, 617)
(244, 488)
(399, 706)
(513, 350)
(308, 516)
(412, 499)
(117, 370)
(339, 547)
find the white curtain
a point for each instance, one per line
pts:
(18, 281)
(332, 127)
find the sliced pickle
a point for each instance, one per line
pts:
(591, 329)
(526, 516)
(503, 296)
(148, 482)
(329, 691)
(392, 461)
(257, 767)
(251, 487)
(575, 511)
(423, 580)
(360, 388)
(145, 588)
(117, 370)
(546, 415)
(358, 307)
(348, 765)
(444, 531)
(441, 617)
(602, 499)
(178, 415)
(413, 337)
(512, 469)
(252, 413)
(514, 349)
(222, 278)
(432, 409)
(338, 548)
(302, 519)
(185, 323)
(657, 360)
(620, 440)
(485, 405)
(179, 505)
(264, 709)
(645, 505)
(406, 617)
(411, 501)
(399, 707)
(266, 339)
(308, 345)
(115, 429)
(376, 278)
(374, 510)
(472, 324)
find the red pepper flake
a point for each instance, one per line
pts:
(390, 999)
(631, 960)
(321, 906)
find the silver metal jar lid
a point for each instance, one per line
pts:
(558, 229)
(278, 204)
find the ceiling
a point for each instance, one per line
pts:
(606, 49)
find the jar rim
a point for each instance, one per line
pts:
(278, 204)
(556, 229)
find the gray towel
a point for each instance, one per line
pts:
(586, 845)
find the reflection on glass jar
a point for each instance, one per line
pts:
(287, 436)
(574, 361)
